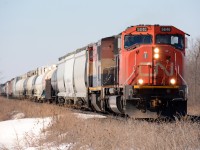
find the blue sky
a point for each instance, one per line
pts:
(34, 33)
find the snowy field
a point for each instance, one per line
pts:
(24, 133)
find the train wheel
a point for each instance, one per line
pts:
(61, 101)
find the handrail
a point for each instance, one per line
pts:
(130, 75)
(135, 69)
(182, 77)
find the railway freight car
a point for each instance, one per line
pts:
(44, 74)
(20, 87)
(9, 87)
(72, 78)
(30, 82)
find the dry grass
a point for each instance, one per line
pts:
(194, 108)
(109, 134)
(113, 134)
(10, 106)
(100, 134)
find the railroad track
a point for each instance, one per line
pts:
(75, 109)
(188, 118)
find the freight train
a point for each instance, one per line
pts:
(139, 73)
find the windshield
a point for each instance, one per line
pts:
(174, 40)
(131, 40)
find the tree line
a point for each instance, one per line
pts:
(192, 70)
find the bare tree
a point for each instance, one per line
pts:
(193, 70)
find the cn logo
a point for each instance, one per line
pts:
(157, 66)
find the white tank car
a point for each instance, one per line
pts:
(20, 88)
(30, 86)
(39, 87)
(25, 86)
(14, 86)
(9, 88)
(40, 83)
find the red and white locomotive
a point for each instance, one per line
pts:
(154, 81)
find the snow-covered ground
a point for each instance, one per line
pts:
(24, 133)
(89, 116)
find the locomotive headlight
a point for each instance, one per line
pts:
(156, 56)
(172, 81)
(156, 50)
(140, 81)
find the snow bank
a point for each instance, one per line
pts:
(25, 133)
(52, 147)
(89, 116)
(17, 115)
(14, 132)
